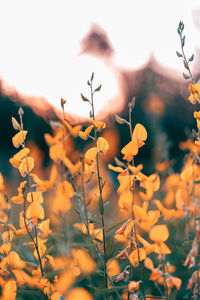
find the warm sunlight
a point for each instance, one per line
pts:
(42, 53)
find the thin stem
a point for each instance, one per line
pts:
(31, 190)
(185, 59)
(83, 191)
(97, 251)
(101, 207)
(196, 258)
(35, 242)
(133, 216)
(165, 279)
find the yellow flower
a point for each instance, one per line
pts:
(197, 117)
(195, 91)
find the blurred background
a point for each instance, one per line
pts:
(50, 48)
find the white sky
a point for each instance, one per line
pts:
(40, 42)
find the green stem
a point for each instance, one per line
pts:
(101, 207)
(97, 251)
(185, 59)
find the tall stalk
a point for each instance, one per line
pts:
(133, 229)
(101, 206)
(35, 241)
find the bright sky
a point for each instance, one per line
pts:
(40, 43)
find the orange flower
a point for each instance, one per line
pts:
(151, 184)
(13, 260)
(74, 130)
(84, 261)
(113, 267)
(149, 248)
(125, 200)
(102, 145)
(44, 228)
(130, 150)
(159, 233)
(44, 185)
(62, 201)
(35, 211)
(79, 293)
(85, 134)
(194, 93)
(35, 197)
(116, 169)
(9, 290)
(133, 286)
(197, 117)
(56, 151)
(90, 155)
(168, 213)
(162, 166)
(138, 137)
(140, 213)
(53, 140)
(99, 125)
(137, 255)
(26, 166)
(19, 138)
(16, 159)
(152, 218)
(139, 134)
(174, 281)
(19, 198)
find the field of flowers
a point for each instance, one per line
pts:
(98, 227)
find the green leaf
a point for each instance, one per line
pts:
(109, 291)
(48, 251)
(116, 225)
(101, 207)
(197, 181)
(97, 240)
(179, 54)
(173, 294)
(191, 58)
(109, 248)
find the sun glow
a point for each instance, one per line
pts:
(41, 53)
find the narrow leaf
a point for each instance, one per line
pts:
(191, 58)
(97, 89)
(15, 124)
(120, 120)
(84, 98)
(186, 76)
(179, 54)
(101, 291)
(116, 226)
(92, 76)
(119, 162)
(109, 248)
